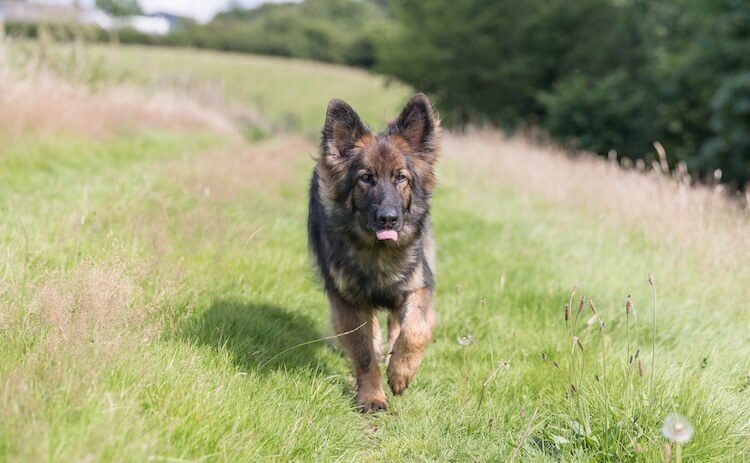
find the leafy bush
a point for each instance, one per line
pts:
(597, 74)
(120, 7)
(338, 31)
(599, 114)
(728, 149)
(57, 31)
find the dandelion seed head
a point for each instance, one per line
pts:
(465, 340)
(677, 428)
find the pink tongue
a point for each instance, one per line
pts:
(387, 235)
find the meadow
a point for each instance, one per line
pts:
(157, 300)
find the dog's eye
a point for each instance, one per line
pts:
(400, 178)
(367, 178)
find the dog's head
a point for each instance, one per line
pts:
(381, 181)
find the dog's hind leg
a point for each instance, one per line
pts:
(359, 346)
(416, 323)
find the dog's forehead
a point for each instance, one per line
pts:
(383, 152)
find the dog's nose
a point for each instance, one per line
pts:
(387, 217)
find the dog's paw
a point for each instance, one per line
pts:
(401, 370)
(371, 405)
(398, 383)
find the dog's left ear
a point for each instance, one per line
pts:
(419, 126)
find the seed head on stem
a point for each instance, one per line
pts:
(677, 428)
(592, 306)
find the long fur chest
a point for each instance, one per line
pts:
(377, 276)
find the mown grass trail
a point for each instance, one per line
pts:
(150, 275)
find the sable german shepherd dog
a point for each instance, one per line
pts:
(370, 233)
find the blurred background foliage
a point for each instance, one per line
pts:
(595, 74)
(599, 75)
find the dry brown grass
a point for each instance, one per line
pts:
(665, 206)
(97, 309)
(92, 306)
(40, 102)
(226, 172)
(77, 329)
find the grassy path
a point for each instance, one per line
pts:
(143, 294)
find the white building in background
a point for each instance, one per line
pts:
(97, 17)
(154, 25)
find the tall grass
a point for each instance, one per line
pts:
(32, 98)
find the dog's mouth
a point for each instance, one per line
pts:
(387, 234)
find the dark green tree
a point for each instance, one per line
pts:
(701, 53)
(595, 74)
(493, 59)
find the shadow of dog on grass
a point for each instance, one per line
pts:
(261, 337)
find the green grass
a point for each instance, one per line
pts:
(150, 276)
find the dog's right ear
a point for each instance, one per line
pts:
(342, 130)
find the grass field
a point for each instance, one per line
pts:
(287, 93)
(155, 283)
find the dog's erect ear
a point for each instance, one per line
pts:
(342, 130)
(419, 126)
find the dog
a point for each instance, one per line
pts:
(370, 235)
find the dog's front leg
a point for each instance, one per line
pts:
(417, 320)
(359, 346)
